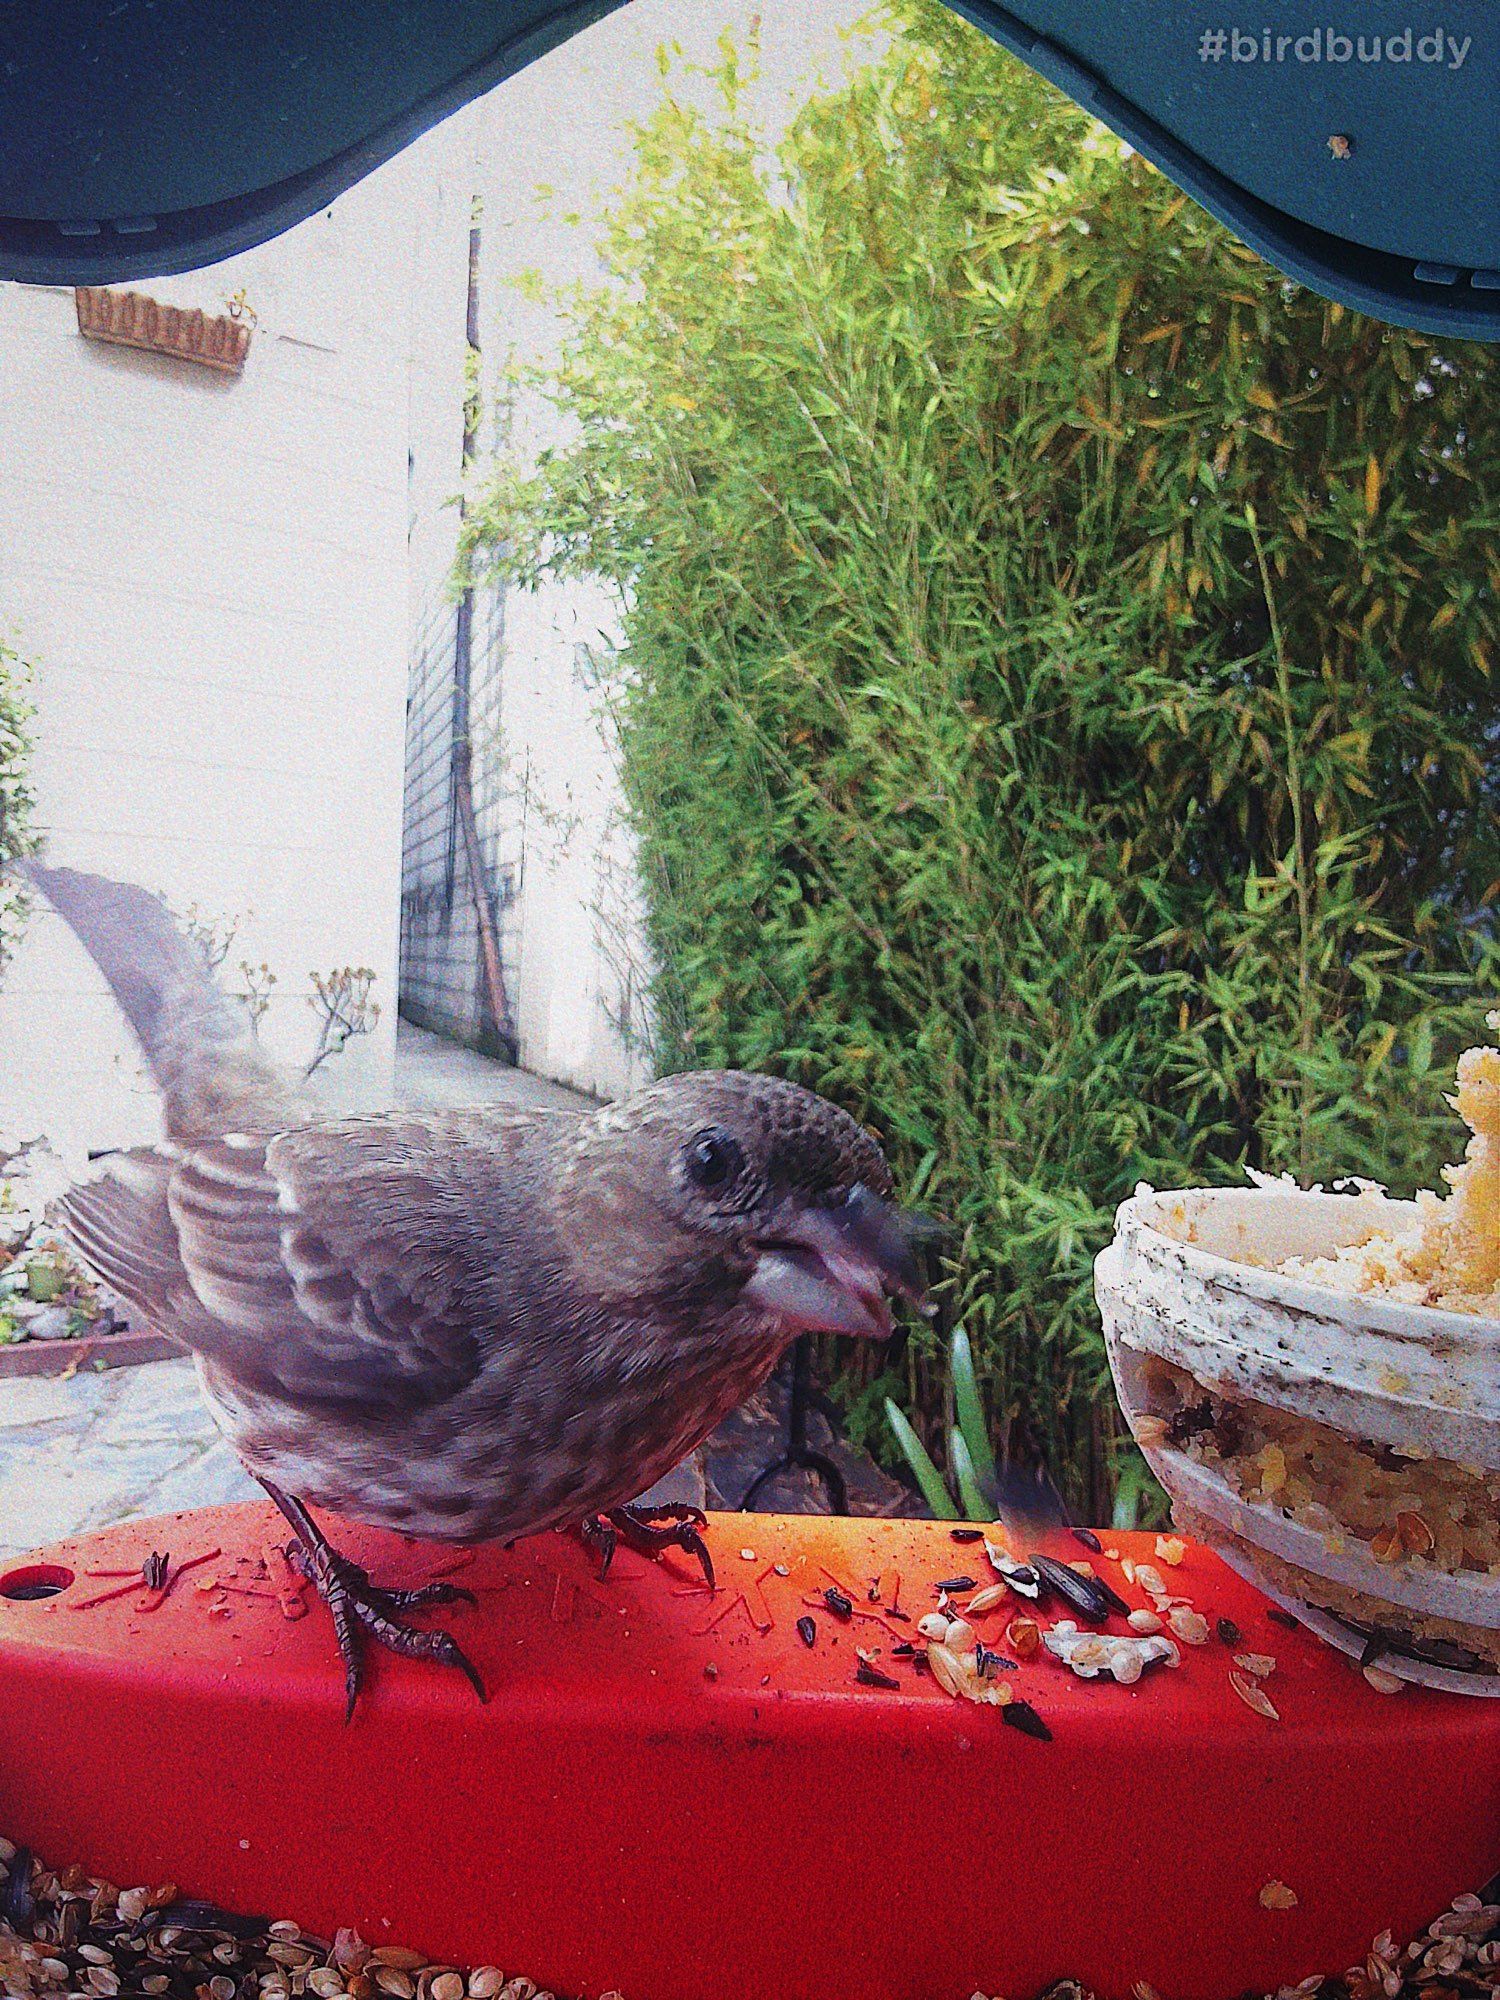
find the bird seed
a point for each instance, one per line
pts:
(988, 1599)
(869, 1675)
(76, 1938)
(1024, 1637)
(175, 1947)
(1021, 1715)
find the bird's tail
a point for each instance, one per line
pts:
(212, 1076)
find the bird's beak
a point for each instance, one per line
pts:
(831, 1269)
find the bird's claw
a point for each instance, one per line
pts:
(643, 1529)
(358, 1606)
(600, 1540)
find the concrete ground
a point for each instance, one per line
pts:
(433, 1074)
(83, 1452)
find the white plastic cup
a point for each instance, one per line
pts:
(1171, 1285)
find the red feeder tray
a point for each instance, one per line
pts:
(672, 1795)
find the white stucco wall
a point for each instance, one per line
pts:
(212, 578)
(581, 960)
(217, 581)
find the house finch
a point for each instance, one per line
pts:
(467, 1325)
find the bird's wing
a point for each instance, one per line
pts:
(354, 1260)
(121, 1226)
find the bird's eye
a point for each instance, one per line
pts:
(714, 1160)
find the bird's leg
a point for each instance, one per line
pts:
(641, 1529)
(599, 1539)
(358, 1606)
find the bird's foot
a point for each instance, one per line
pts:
(654, 1530)
(359, 1607)
(599, 1540)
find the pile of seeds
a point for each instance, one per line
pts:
(69, 1936)
(947, 1644)
(1424, 1513)
(1456, 1958)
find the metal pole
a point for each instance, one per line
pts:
(501, 1021)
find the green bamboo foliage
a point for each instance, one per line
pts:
(1058, 708)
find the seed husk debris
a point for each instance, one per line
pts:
(1457, 1955)
(869, 1675)
(1014, 1575)
(151, 1942)
(68, 1932)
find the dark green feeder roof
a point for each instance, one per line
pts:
(1357, 147)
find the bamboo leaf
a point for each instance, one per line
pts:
(970, 1407)
(971, 1497)
(927, 1476)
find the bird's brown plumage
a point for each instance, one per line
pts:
(467, 1324)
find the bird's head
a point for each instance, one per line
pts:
(747, 1184)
